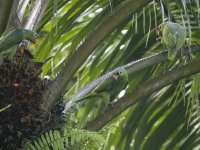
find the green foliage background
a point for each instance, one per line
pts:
(167, 119)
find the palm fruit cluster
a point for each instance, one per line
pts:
(21, 113)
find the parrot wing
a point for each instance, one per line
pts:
(12, 37)
(181, 38)
(171, 46)
(174, 36)
(104, 86)
(172, 40)
(7, 32)
(9, 39)
(179, 44)
(9, 53)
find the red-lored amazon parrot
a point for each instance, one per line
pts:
(10, 39)
(103, 94)
(173, 37)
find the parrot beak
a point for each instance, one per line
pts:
(115, 75)
(21, 50)
(34, 41)
(158, 31)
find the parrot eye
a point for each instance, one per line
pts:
(35, 35)
(159, 28)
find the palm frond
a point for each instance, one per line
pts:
(68, 138)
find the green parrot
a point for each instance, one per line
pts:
(102, 95)
(173, 37)
(10, 39)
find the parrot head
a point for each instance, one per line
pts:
(31, 36)
(120, 73)
(160, 28)
(34, 37)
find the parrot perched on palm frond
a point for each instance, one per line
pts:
(103, 94)
(173, 37)
(10, 39)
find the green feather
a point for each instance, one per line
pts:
(173, 37)
(11, 38)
